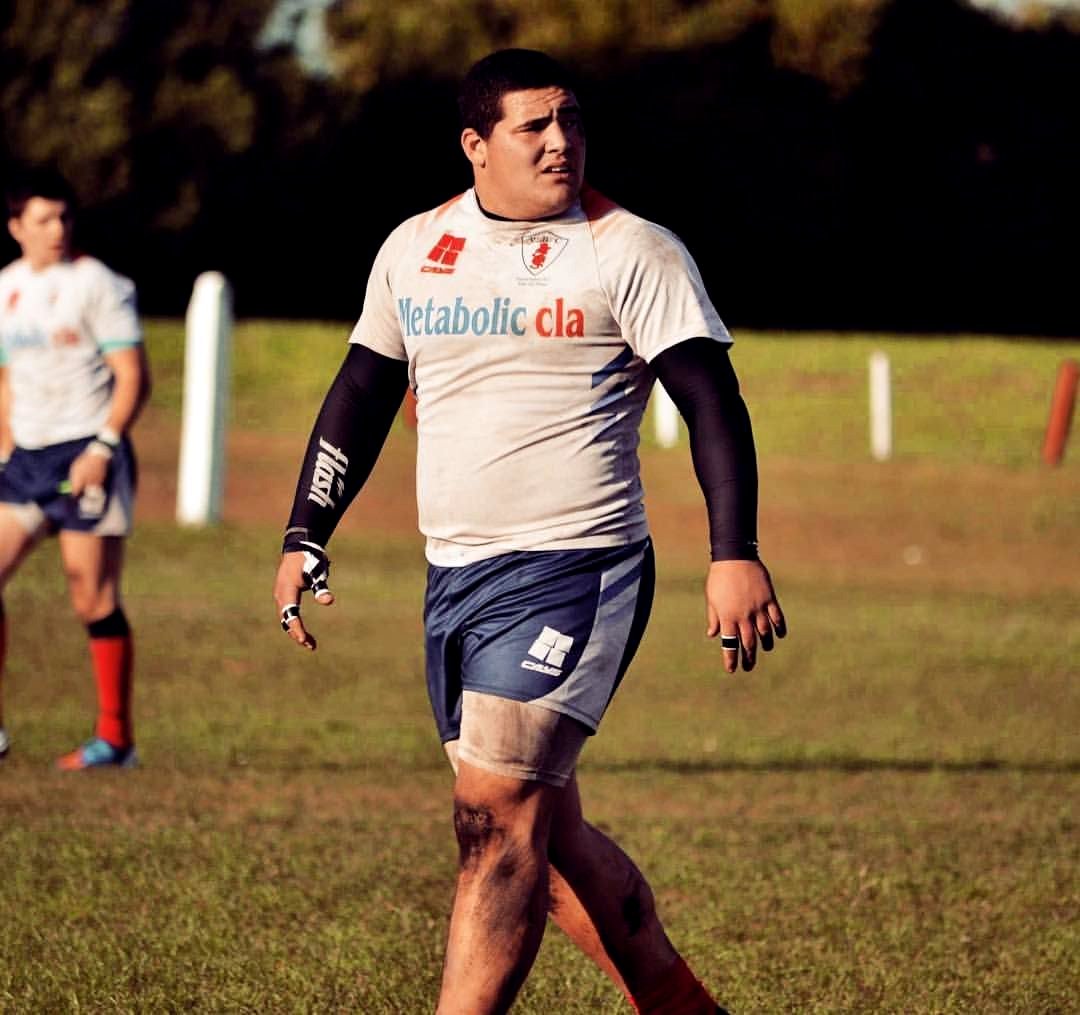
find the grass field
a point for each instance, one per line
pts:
(882, 817)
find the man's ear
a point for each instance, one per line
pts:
(14, 227)
(475, 147)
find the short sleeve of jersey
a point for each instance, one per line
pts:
(379, 327)
(656, 291)
(111, 313)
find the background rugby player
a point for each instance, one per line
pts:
(73, 377)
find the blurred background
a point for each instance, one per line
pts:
(906, 165)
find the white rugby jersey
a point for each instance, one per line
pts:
(528, 346)
(55, 327)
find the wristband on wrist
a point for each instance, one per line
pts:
(104, 443)
(294, 539)
(107, 435)
(100, 449)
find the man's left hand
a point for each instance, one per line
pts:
(303, 568)
(741, 607)
(88, 470)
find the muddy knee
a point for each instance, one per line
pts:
(486, 842)
(477, 832)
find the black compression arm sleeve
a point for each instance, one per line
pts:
(349, 433)
(701, 381)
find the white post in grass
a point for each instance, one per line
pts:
(665, 417)
(207, 350)
(880, 407)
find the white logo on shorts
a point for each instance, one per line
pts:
(551, 649)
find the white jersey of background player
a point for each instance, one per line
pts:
(56, 325)
(502, 322)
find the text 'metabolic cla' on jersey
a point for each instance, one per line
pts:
(528, 346)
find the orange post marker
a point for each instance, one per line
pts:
(408, 410)
(1061, 412)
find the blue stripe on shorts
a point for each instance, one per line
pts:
(557, 628)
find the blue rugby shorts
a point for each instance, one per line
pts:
(556, 628)
(32, 484)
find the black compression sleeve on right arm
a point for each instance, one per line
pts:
(345, 442)
(701, 381)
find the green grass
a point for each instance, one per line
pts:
(277, 366)
(881, 818)
(955, 399)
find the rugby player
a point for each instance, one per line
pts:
(73, 378)
(530, 316)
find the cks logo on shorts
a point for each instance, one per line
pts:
(540, 250)
(550, 649)
(444, 254)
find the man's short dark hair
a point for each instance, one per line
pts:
(38, 182)
(506, 70)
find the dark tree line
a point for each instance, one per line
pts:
(901, 164)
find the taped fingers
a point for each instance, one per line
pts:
(743, 643)
(317, 572)
(316, 567)
(289, 613)
(293, 626)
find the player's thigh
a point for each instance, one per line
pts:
(517, 740)
(18, 536)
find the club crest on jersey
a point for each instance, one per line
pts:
(540, 250)
(443, 256)
(13, 299)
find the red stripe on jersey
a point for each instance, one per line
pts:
(594, 204)
(446, 206)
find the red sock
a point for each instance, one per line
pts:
(112, 659)
(678, 992)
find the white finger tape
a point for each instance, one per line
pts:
(289, 612)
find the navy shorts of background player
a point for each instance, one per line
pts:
(35, 480)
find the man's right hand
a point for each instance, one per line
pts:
(293, 578)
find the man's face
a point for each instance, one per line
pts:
(533, 164)
(42, 231)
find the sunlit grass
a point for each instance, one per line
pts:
(880, 818)
(972, 399)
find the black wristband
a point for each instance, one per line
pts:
(294, 539)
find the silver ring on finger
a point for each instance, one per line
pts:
(729, 642)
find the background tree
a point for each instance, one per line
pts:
(841, 163)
